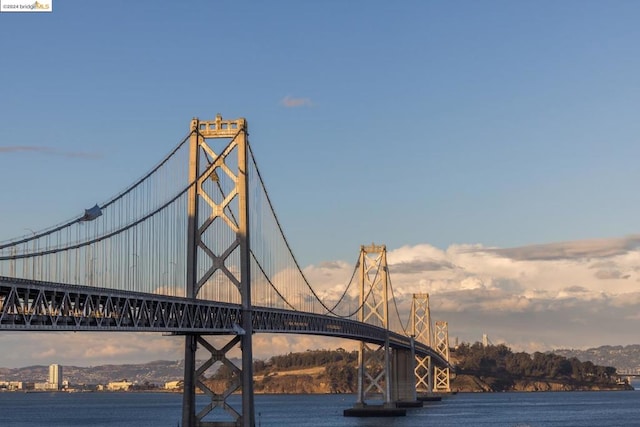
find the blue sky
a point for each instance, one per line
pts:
(496, 123)
(501, 123)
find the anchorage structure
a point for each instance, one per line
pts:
(216, 239)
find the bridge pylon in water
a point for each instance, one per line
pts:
(217, 238)
(421, 331)
(442, 374)
(374, 361)
(429, 377)
(384, 373)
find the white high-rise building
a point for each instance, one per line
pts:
(55, 376)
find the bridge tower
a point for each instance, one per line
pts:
(216, 238)
(421, 330)
(442, 375)
(374, 364)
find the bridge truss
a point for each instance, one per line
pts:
(27, 305)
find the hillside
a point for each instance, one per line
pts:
(314, 371)
(624, 358)
(491, 368)
(157, 372)
(488, 369)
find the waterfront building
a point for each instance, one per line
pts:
(123, 385)
(174, 385)
(55, 376)
(12, 385)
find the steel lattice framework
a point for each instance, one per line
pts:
(27, 305)
(36, 306)
(421, 330)
(210, 211)
(442, 372)
(374, 364)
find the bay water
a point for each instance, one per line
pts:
(557, 409)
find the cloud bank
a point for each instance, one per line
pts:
(533, 298)
(595, 248)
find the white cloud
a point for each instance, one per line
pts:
(531, 303)
(291, 102)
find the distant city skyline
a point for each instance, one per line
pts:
(491, 146)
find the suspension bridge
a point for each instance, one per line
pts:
(194, 248)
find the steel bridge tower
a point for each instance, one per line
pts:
(442, 375)
(429, 377)
(421, 331)
(204, 208)
(374, 364)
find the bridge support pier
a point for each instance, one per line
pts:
(191, 415)
(386, 374)
(424, 379)
(430, 379)
(375, 377)
(403, 385)
(189, 383)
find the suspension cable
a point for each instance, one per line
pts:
(395, 304)
(286, 242)
(100, 238)
(264, 273)
(284, 299)
(69, 223)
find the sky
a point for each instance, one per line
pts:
(492, 146)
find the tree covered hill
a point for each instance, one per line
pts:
(501, 370)
(479, 368)
(312, 371)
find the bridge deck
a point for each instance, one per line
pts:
(29, 305)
